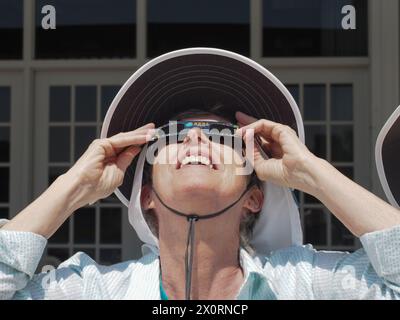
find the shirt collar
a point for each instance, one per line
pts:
(256, 284)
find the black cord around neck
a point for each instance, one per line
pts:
(192, 218)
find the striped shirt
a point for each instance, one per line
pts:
(296, 272)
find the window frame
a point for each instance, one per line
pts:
(361, 120)
(129, 241)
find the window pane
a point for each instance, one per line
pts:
(87, 29)
(61, 254)
(55, 172)
(177, 24)
(11, 14)
(3, 213)
(83, 137)
(5, 104)
(314, 102)
(310, 199)
(4, 184)
(111, 199)
(85, 225)
(340, 234)
(85, 103)
(342, 143)
(107, 95)
(62, 234)
(347, 171)
(4, 144)
(315, 226)
(316, 139)
(110, 256)
(60, 104)
(313, 28)
(110, 225)
(342, 102)
(59, 144)
(294, 91)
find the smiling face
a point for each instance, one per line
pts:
(197, 174)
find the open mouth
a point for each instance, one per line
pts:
(196, 160)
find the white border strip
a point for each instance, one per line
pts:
(378, 156)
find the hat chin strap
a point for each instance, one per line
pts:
(192, 218)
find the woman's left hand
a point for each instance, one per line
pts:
(290, 162)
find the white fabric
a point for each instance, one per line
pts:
(379, 160)
(278, 226)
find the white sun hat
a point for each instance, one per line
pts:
(199, 78)
(387, 157)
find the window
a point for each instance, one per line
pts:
(75, 116)
(313, 28)
(11, 20)
(5, 126)
(87, 29)
(177, 24)
(327, 111)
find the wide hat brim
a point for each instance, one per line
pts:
(387, 156)
(197, 78)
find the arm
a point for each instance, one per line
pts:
(376, 267)
(20, 253)
(358, 209)
(22, 240)
(294, 166)
(94, 176)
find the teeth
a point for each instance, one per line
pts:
(196, 160)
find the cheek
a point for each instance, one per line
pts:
(166, 154)
(230, 156)
(165, 159)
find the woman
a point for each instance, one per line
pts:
(217, 266)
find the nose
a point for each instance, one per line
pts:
(196, 136)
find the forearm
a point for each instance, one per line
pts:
(358, 209)
(48, 212)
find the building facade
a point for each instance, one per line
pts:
(56, 85)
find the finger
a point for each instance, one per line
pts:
(147, 126)
(123, 141)
(268, 129)
(148, 133)
(126, 157)
(269, 170)
(271, 148)
(136, 131)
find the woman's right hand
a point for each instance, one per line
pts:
(101, 169)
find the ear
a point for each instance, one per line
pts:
(146, 199)
(254, 200)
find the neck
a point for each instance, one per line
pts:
(216, 272)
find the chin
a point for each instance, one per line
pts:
(198, 185)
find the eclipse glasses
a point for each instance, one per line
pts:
(176, 131)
